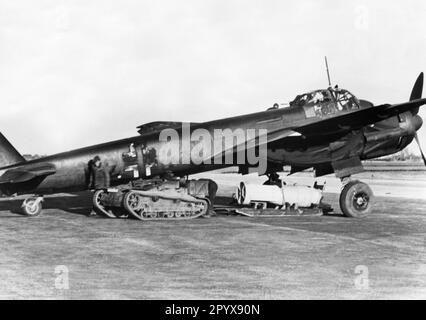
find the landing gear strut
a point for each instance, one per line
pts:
(32, 206)
(356, 199)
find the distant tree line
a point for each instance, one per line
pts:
(404, 155)
(29, 157)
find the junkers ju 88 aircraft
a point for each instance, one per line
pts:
(329, 130)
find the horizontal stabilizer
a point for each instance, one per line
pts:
(27, 173)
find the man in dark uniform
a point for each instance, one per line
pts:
(99, 177)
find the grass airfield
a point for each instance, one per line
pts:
(64, 254)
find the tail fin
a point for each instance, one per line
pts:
(8, 154)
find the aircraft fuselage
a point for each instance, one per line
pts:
(140, 156)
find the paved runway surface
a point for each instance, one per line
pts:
(316, 257)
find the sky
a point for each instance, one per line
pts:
(77, 73)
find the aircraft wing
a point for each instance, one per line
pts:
(27, 173)
(356, 119)
(352, 120)
(255, 141)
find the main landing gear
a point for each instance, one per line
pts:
(32, 206)
(355, 199)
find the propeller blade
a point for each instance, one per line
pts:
(420, 148)
(416, 93)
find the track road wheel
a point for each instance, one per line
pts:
(133, 203)
(32, 206)
(356, 199)
(97, 205)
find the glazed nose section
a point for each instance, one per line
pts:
(417, 122)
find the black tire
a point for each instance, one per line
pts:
(356, 199)
(29, 209)
(241, 193)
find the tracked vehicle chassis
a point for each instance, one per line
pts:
(151, 200)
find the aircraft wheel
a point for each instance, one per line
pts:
(241, 193)
(356, 199)
(32, 206)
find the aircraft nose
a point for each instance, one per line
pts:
(417, 122)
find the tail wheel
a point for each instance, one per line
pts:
(356, 199)
(32, 207)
